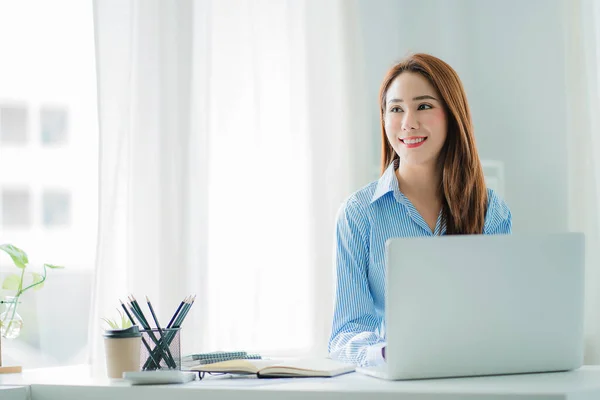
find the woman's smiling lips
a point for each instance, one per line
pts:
(413, 141)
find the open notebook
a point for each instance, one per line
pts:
(319, 367)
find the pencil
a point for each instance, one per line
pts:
(176, 322)
(170, 324)
(168, 337)
(127, 313)
(163, 342)
(188, 301)
(143, 339)
(140, 312)
(137, 311)
(184, 312)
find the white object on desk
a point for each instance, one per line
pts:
(14, 392)
(303, 367)
(76, 383)
(158, 377)
(471, 305)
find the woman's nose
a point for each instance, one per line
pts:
(409, 122)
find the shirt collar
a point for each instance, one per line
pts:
(388, 183)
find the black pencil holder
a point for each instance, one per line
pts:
(161, 349)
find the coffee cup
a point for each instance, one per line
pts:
(122, 349)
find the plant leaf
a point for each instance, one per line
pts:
(18, 256)
(110, 323)
(37, 278)
(11, 282)
(54, 266)
(125, 322)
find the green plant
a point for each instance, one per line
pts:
(15, 281)
(114, 324)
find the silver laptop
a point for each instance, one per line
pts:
(475, 305)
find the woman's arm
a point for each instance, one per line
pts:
(498, 219)
(354, 336)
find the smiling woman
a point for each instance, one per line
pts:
(431, 184)
(422, 99)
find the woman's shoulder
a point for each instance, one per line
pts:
(498, 215)
(359, 201)
(496, 203)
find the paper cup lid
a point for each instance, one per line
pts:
(123, 333)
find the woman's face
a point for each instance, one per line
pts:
(415, 119)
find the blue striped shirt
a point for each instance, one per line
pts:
(365, 221)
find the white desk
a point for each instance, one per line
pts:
(75, 383)
(14, 393)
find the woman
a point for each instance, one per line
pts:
(431, 184)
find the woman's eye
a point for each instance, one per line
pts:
(396, 109)
(424, 107)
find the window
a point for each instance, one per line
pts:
(13, 124)
(53, 125)
(48, 171)
(16, 208)
(56, 208)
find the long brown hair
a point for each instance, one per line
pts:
(464, 199)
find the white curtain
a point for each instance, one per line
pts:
(583, 80)
(228, 138)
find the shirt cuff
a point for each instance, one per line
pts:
(375, 355)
